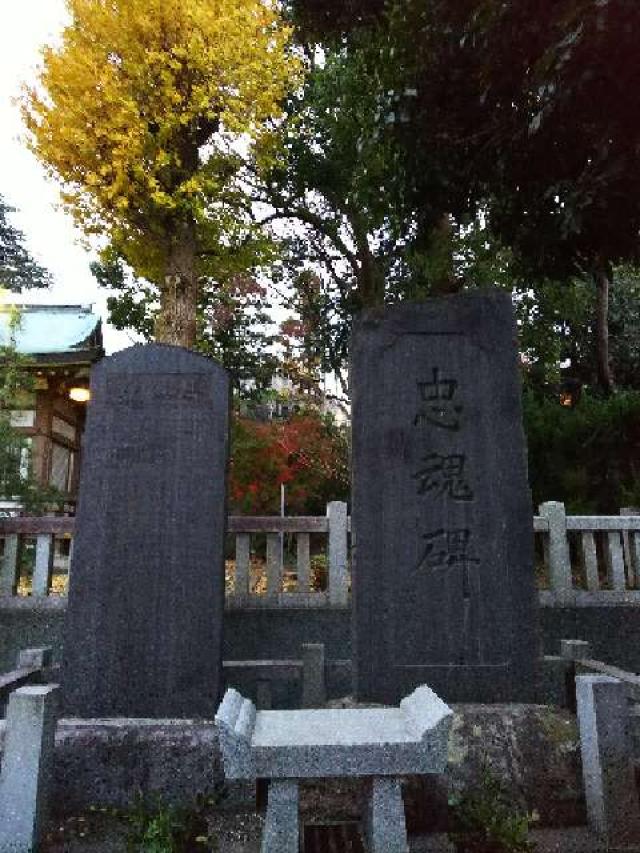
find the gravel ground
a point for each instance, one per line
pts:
(240, 832)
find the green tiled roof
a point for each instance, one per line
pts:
(51, 330)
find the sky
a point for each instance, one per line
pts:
(50, 235)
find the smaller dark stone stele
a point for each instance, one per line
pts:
(143, 634)
(443, 584)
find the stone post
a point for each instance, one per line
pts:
(314, 693)
(9, 565)
(281, 832)
(558, 549)
(26, 767)
(631, 545)
(337, 552)
(43, 565)
(385, 823)
(607, 765)
(575, 649)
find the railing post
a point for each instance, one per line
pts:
(43, 566)
(337, 552)
(274, 564)
(615, 560)
(9, 567)
(242, 583)
(559, 556)
(590, 560)
(631, 545)
(303, 562)
(26, 766)
(607, 766)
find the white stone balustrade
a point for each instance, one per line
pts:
(583, 555)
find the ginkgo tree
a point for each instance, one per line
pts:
(146, 114)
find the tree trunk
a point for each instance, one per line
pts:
(370, 280)
(603, 282)
(441, 250)
(176, 321)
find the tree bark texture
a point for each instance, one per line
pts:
(370, 279)
(603, 284)
(176, 320)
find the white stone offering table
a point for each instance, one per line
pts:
(379, 743)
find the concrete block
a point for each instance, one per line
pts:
(26, 767)
(103, 761)
(385, 826)
(575, 649)
(281, 831)
(608, 773)
(34, 658)
(314, 693)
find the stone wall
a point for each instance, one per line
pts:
(533, 749)
(612, 629)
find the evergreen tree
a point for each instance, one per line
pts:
(18, 270)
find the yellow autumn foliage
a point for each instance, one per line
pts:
(134, 111)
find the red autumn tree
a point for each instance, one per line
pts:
(307, 453)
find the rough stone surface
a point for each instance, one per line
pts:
(609, 781)
(281, 830)
(144, 623)
(533, 749)
(443, 585)
(104, 762)
(385, 827)
(25, 781)
(347, 742)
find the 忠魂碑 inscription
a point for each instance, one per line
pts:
(443, 569)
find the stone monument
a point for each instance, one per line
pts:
(443, 586)
(144, 623)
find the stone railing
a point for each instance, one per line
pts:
(586, 554)
(267, 582)
(578, 557)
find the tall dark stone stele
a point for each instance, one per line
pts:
(144, 622)
(443, 583)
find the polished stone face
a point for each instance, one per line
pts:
(144, 623)
(443, 571)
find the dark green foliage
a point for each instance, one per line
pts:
(486, 820)
(322, 19)
(18, 270)
(587, 456)
(158, 827)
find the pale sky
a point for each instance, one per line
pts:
(50, 235)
